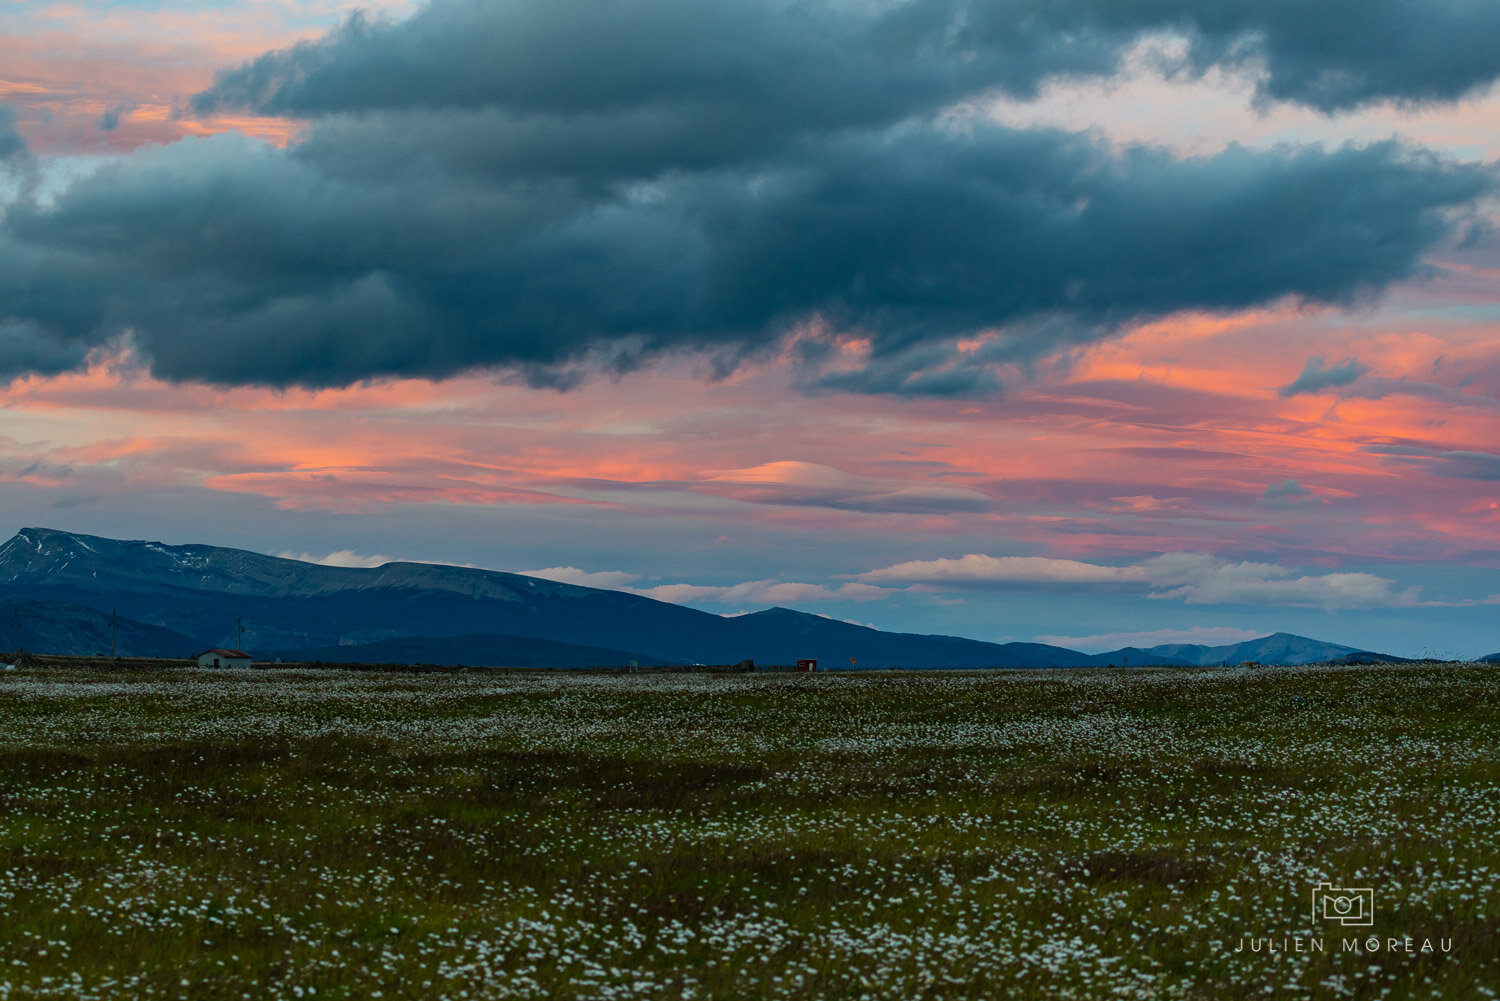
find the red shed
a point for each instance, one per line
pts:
(807, 665)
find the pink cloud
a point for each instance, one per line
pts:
(1079, 462)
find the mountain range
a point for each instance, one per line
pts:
(58, 591)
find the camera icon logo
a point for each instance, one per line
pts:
(1350, 906)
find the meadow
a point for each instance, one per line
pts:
(1025, 834)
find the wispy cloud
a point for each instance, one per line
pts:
(977, 569)
(607, 579)
(1455, 463)
(813, 484)
(1193, 578)
(764, 592)
(340, 558)
(1199, 579)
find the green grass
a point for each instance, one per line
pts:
(1088, 834)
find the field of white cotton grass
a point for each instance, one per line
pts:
(1150, 834)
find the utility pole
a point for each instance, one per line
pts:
(114, 621)
(15, 631)
(239, 639)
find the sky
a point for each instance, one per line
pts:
(1087, 322)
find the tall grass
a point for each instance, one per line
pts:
(1088, 834)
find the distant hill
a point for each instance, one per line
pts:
(60, 627)
(1366, 657)
(289, 605)
(1132, 656)
(469, 651)
(1493, 658)
(773, 636)
(194, 594)
(1278, 648)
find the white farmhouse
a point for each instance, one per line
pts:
(224, 658)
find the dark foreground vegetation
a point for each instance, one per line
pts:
(1148, 834)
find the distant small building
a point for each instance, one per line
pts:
(224, 658)
(807, 665)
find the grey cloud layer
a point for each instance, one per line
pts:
(1457, 464)
(549, 188)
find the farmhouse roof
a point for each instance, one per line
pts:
(227, 653)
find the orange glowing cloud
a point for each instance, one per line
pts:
(357, 491)
(1079, 460)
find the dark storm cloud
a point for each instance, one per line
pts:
(625, 89)
(1331, 55)
(234, 262)
(674, 82)
(777, 68)
(26, 347)
(552, 189)
(1317, 375)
